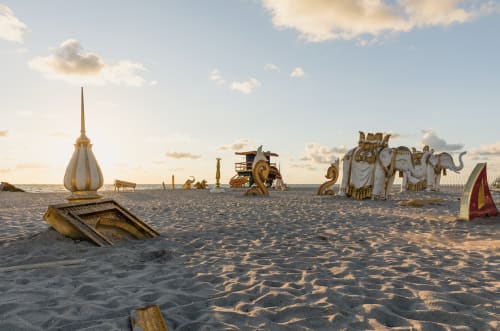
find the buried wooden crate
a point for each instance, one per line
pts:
(101, 221)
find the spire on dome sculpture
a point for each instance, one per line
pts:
(83, 175)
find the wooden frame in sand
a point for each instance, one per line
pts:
(102, 222)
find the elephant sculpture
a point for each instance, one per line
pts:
(359, 164)
(416, 180)
(437, 164)
(369, 170)
(428, 169)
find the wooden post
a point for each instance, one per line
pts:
(173, 183)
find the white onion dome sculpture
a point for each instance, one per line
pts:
(83, 175)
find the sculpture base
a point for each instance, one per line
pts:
(102, 222)
(83, 196)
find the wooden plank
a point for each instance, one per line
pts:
(147, 319)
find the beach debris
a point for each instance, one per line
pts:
(6, 187)
(217, 188)
(83, 175)
(187, 184)
(237, 181)
(476, 198)
(421, 202)
(201, 185)
(332, 174)
(260, 173)
(121, 184)
(42, 265)
(101, 221)
(147, 319)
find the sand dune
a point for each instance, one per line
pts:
(292, 261)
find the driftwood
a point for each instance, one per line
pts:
(41, 265)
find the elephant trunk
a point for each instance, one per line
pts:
(461, 163)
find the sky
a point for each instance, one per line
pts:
(172, 85)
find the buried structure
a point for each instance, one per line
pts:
(87, 216)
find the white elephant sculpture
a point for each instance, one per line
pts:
(369, 170)
(416, 180)
(427, 171)
(437, 164)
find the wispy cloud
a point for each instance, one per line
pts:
(297, 72)
(31, 165)
(4, 133)
(237, 146)
(69, 62)
(439, 144)
(305, 166)
(485, 151)
(215, 76)
(318, 154)
(11, 28)
(246, 87)
(182, 155)
(271, 67)
(321, 20)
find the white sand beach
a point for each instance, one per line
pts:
(290, 261)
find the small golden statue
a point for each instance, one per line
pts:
(188, 183)
(332, 174)
(201, 185)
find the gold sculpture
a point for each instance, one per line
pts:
(187, 184)
(83, 175)
(332, 174)
(260, 173)
(237, 181)
(201, 185)
(101, 221)
(217, 174)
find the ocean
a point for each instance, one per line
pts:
(55, 188)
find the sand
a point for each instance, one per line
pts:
(291, 261)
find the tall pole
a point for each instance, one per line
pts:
(217, 174)
(82, 128)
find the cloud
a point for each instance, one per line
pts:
(5, 170)
(318, 154)
(11, 28)
(485, 151)
(297, 72)
(439, 144)
(246, 87)
(216, 77)
(321, 20)
(303, 166)
(32, 165)
(4, 133)
(182, 155)
(68, 62)
(271, 67)
(153, 83)
(237, 146)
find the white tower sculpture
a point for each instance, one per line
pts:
(83, 175)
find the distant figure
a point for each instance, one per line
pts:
(164, 186)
